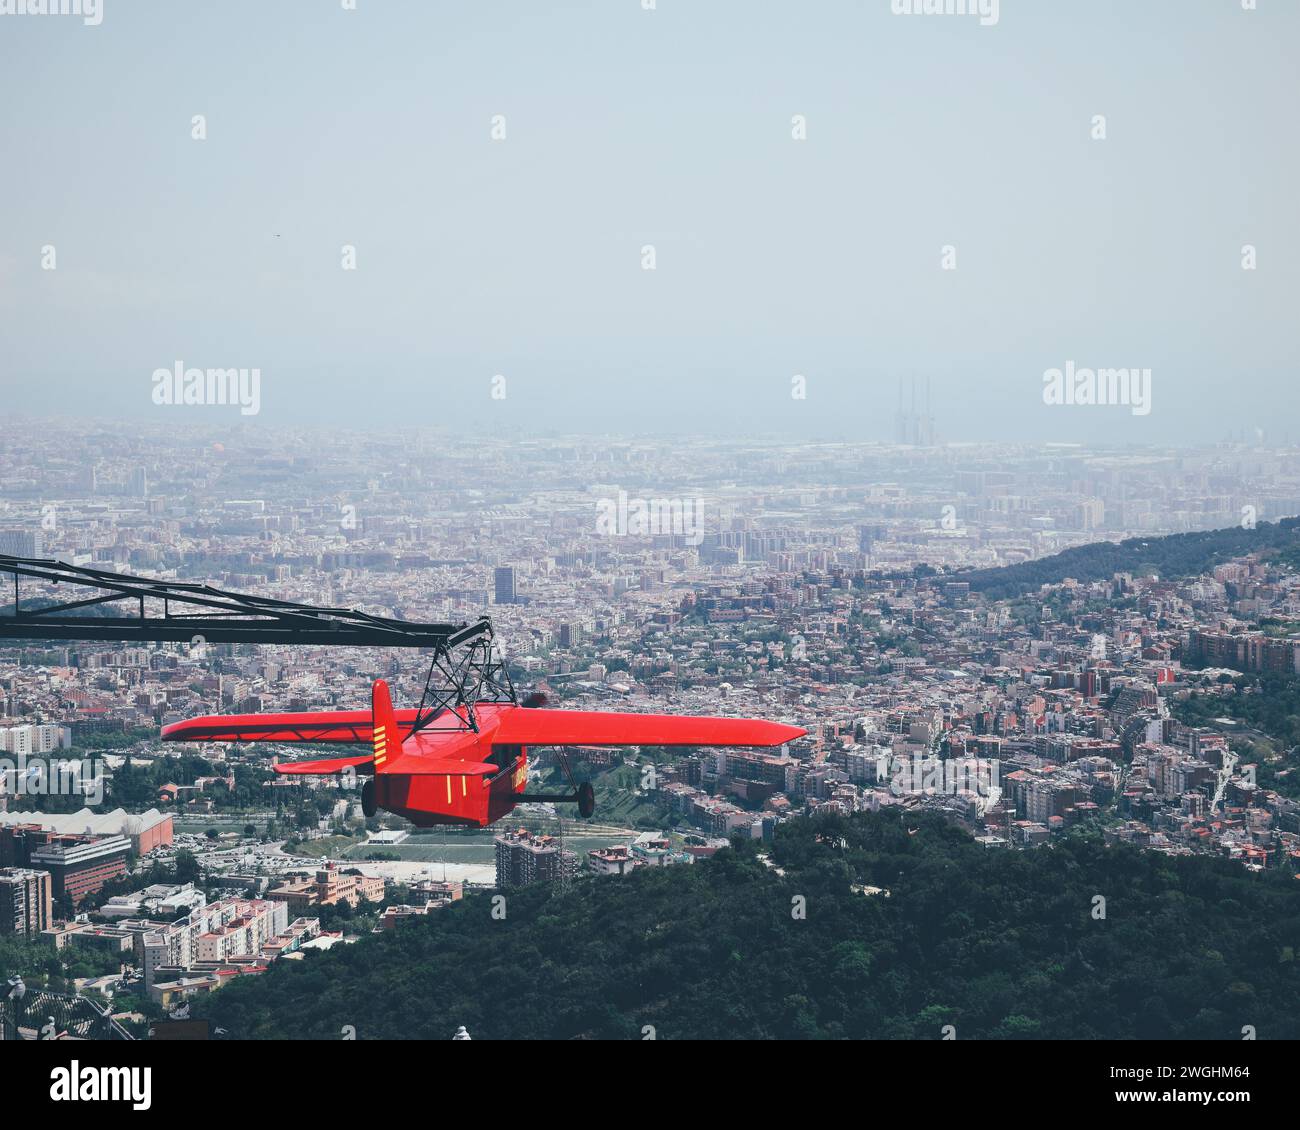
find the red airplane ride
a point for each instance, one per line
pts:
(458, 774)
(461, 757)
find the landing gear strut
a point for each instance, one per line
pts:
(583, 795)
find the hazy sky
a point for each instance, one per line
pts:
(672, 127)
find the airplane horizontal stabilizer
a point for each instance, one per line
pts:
(413, 765)
(324, 768)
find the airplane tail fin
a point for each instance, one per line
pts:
(387, 740)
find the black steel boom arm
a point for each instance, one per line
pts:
(465, 669)
(174, 611)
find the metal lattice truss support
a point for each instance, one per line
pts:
(458, 681)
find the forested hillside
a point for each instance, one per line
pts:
(1177, 555)
(1001, 945)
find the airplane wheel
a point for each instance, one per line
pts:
(586, 799)
(368, 805)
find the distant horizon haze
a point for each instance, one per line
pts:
(392, 207)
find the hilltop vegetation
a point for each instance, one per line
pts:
(1001, 945)
(1177, 555)
(1269, 703)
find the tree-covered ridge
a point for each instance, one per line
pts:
(1176, 555)
(999, 945)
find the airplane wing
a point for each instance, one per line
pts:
(346, 726)
(597, 727)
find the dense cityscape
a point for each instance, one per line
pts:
(843, 588)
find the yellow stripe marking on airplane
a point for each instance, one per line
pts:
(448, 788)
(464, 788)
